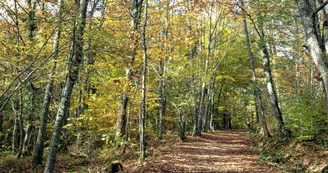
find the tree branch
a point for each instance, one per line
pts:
(251, 18)
(319, 8)
(5, 101)
(29, 66)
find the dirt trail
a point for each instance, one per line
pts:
(222, 151)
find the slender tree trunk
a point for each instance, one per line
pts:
(127, 131)
(216, 109)
(182, 126)
(27, 140)
(78, 110)
(1, 129)
(72, 75)
(257, 94)
(272, 93)
(17, 126)
(162, 101)
(144, 89)
(202, 108)
(135, 20)
(39, 145)
(31, 27)
(211, 121)
(162, 83)
(192, 49)
(30, 126)
(15, 140)
(269, 81)
(21, 124)
(207, 112)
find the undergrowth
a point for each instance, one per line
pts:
(293, 154)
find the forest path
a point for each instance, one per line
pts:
(220, 151)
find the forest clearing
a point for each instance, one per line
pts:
(163, 86)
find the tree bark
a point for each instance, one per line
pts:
(162, 107)
(162, 71)
(1, 129)
(39, 145)
(182, 127)
(31, 28)
(313, 43)
(269, 81)
(144, 89)
(21, 124)
(257, 94)
(72, 75)
(15, 139)
(135, 22)
(216, 110)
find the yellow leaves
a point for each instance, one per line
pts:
(103, 66)
(225, 78)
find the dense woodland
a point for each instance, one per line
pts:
(103, 78)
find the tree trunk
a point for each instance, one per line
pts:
(21, 125)
(182, 127)
(27, 140)
(162, 102)
(216, 110)
(212, 111)
(1, 129)
(31, 27)
(127, 134)
(72, 75)
(192, 49)
(257, 94)
(39, 145)
(15, 140)
(207, 112)
(162, 82)
(269, 81)
(144, 89)
(202, 106)
(201, 110)
(313, 43)
(30, 126)
(135, 20)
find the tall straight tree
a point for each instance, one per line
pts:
(19, 115)
(71, 76)
(162, 73)
(31, 28)
(269, 80)
(135, 22)
(256, 90)
(39, 145)
(144, 86)
(202, 112)
(259, 28)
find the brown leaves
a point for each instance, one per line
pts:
(224, 151)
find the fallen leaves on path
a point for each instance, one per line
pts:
(221, 151)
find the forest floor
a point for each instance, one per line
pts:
(220, 151)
